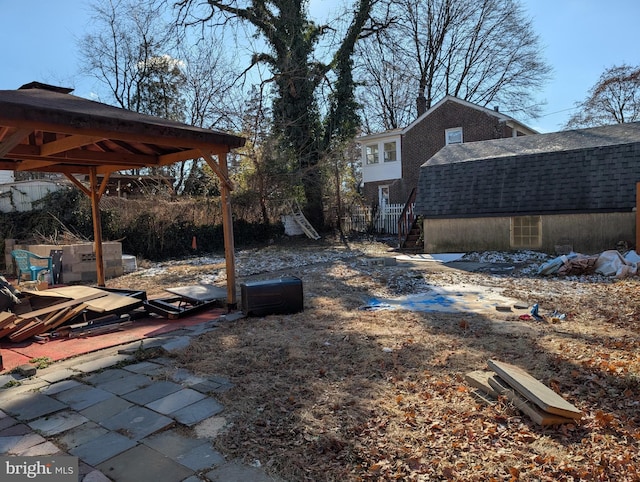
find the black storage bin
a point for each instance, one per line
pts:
(272, 297)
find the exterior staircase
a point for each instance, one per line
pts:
(408, 229)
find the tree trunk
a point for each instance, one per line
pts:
(314, 207)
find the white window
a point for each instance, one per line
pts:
(372, 154)
(526, 232)
(453, 136)
(390, 152)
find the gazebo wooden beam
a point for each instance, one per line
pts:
(13, 140)
(23, 152)
(220, 168)
(67, 143)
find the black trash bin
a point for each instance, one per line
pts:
(272, 297)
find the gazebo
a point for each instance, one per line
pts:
(44, 128)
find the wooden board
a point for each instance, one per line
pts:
(480, 379)
(17, 324)
(59, 306)
(97, 300)
(30, 329)
(533, 390)
(73, 312)
(70, 292)
(534, 412)
(111, 302)
(37, 326)
(6, 318)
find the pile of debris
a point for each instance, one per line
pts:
(61, 312)
(530, 396)
(608, 263)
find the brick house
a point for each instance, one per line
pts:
(571, 188)
(391, 160)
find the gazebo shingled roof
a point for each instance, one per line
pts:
(44, 128)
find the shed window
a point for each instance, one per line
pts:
(526, 232)
(453, 136)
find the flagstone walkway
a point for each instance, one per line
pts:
(125, 419)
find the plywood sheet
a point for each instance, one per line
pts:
(70, 292)
(96, 300)
(111, 302)
(58, 306)
(534, 391)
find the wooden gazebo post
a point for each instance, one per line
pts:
(221, 169)
(95, 193)
(97, 224)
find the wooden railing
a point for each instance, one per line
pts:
(406, 220)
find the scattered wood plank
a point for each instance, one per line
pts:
(534, 412)
(102, 301)
(44, 311)
(72, 313)
(59, 306)
(35, 327)
(534, 391)
(17, 324)
(6, 318)
(480, 379)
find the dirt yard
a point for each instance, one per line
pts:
(342, 392)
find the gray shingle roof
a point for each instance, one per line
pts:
(580, 171)
(540, 143)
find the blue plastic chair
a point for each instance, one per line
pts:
(25, 263)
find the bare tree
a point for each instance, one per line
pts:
(483, 51)
(614, 99)
(386, 95)
(148, 65)
(289, 50)
(126, 36)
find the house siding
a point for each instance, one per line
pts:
(427, 137)
(585, 233)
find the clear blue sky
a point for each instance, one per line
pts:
(580, 38)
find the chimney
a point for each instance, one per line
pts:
(496, 108)
(421, 105)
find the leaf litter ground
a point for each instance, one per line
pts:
(338, 392)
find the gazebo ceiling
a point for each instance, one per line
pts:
(44, 128)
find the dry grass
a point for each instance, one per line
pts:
(340, 393)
